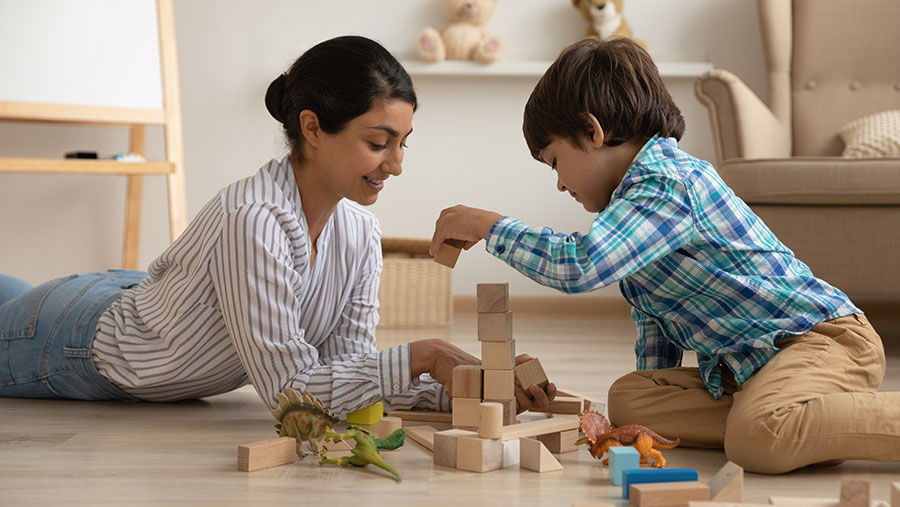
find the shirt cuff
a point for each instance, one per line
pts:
(393, 370)
(502, 235)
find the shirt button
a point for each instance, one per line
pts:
(396, 387)
(501, 249)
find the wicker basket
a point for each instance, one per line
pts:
(415, 291)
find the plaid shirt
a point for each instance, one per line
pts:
(701, 271)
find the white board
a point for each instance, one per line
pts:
(80, 52)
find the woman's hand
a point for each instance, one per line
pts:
(532, 397)
(463, 223)
(438, 358)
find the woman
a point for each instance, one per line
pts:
(274, 283)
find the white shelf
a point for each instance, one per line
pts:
(530, 68)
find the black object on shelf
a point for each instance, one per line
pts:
(81, 154)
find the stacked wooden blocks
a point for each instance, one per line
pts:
(498, 348)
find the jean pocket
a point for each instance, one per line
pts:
(18, 317)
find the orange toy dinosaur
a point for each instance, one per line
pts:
(601, 436)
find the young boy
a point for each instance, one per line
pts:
(789, 368)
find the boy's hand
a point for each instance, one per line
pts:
(529, 397)
(470, 225)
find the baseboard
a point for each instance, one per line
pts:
(559, 305)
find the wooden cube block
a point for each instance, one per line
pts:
(447, 254)
(535, 457)
(895, 494)
(668, 494)
(530, 373)
(266, 454)
(493, 297)
(466, 412)
(495, 327)
(467, 381)
(509, 410)
(563, 405)
(367, 415)
(388, 425)
(444, 443)
(498, 356)
(728, 484)
(621, 459)
(499, 385)
(478, 454)
(645, 475)
(511, 453)
(560, 442)
(855, 493)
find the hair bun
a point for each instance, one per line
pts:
(274, 97)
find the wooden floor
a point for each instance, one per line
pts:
(185, 453)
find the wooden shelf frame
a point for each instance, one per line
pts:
(532, 68)
(136, 120)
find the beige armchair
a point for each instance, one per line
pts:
(828, 62)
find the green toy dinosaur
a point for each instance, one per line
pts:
(366, 450)
(304, 418)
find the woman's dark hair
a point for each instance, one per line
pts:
(613, 79)
(338, 79)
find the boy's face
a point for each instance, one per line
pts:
(589, 172)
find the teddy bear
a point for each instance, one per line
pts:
(464, 37)
(605, 18)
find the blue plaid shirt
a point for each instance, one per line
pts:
(701, 271)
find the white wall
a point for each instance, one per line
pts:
(467, 146)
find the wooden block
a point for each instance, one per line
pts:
(592, 504)
(540, 427)
(466, 412)
(803, 502)
(531, 372)
(563, 405)
(509, 410)
(388, 425)
(511, 453)
(535, 457)
(728, 484)
(495, 327)
(624, 458)
(447, 254)
(493, 297)
(895, 494)
(855, 493)
(266, 454)
(560, 442)
(422, 435)
(499, 385)
(491, 422)
(422, 416)
(466, 381)
(726, 504)
(366, 415)
(498, 356)
(668, 494)
(445, 446)
(478, 454)
(645, 475)
(589, 402)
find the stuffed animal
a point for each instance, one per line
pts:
(605, 18)
(464, 37)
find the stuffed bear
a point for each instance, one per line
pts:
(605, 18)
(464, 37)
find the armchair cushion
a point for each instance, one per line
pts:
(875, 135)
(823, 181)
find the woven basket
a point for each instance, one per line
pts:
(415, 291)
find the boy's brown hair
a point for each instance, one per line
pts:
(613, 79)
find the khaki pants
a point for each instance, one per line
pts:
(815, 401)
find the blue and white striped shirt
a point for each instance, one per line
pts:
(701, 271)
(234, 301)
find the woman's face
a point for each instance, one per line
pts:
(358, 159)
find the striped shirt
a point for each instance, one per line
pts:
(234, 300)
(701, 271)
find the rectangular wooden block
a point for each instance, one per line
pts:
(560, 442)
(493, 297)
(540, 427)
(478, 454)
(445, 446)
(563, 405)
(422, 435)
(422, 416)
(499, 385)
(466, 412)
(531, 372)
(447, 254)
(366, 415)
(645, 475)
(509, 410)
(668, 494)
(728, 484)
(495, 327)
(498, 355)
(266, 454)
(467, 381)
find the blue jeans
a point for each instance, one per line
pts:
(46, 334)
